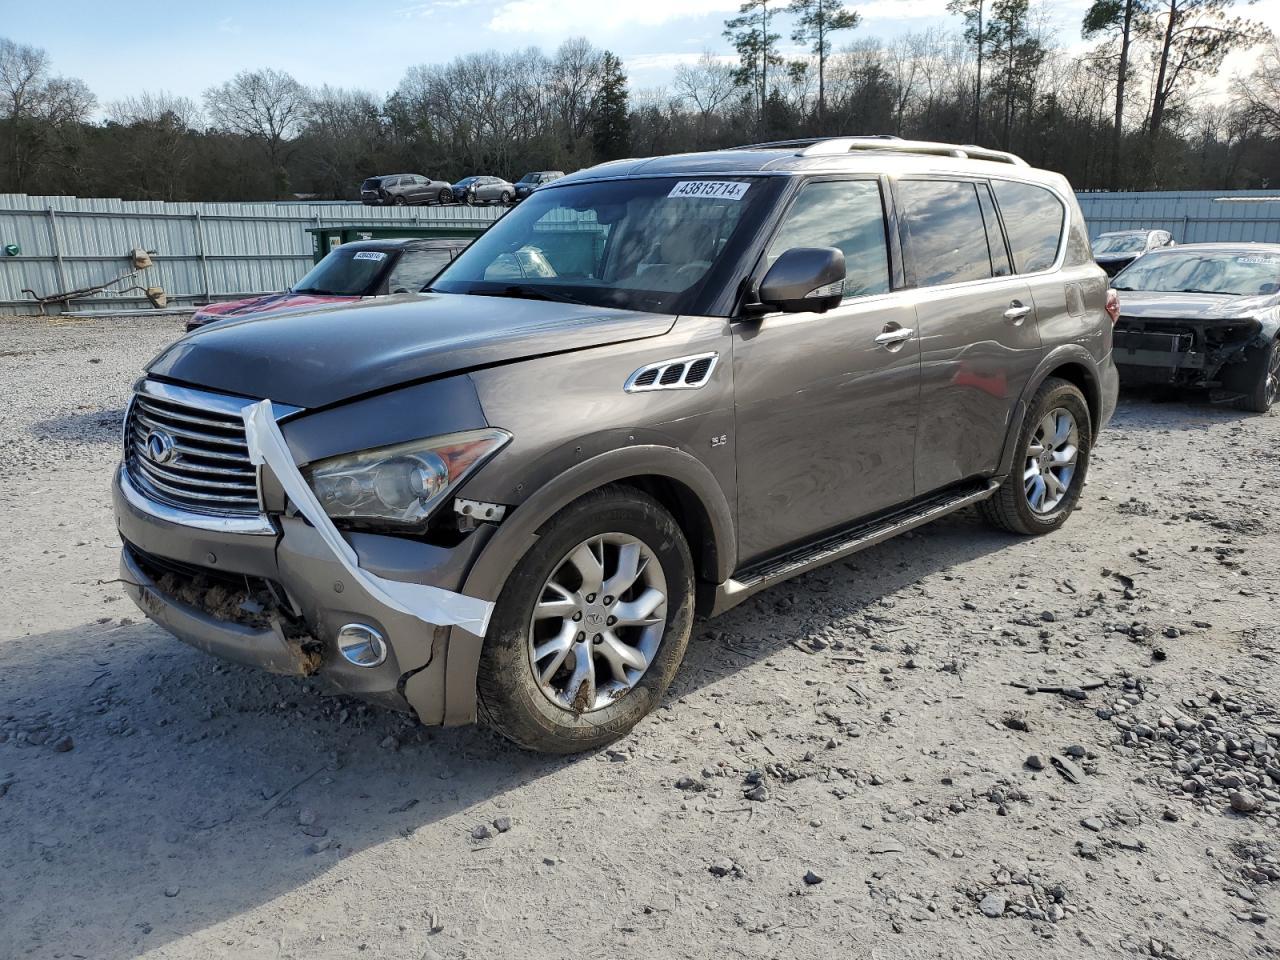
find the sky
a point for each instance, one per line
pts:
(186, 47)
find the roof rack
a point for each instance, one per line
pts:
(833, 146)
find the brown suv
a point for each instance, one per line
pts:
(653, 389)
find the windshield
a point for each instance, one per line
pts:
(1127, 243)
(653, 244)
(346, 273)
(1238, 273)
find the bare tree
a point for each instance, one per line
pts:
(39, 110)
(707, 85)
(158, 150)
(266, 106)
(1256, 98)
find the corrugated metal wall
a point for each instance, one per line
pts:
(224, 250)
(1201, 216)
(203, 250)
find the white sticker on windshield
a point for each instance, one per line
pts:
(710, 189)
(368, 255)
(1257, 259)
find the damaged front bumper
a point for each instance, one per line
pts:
(269, 592)
(1181, 352)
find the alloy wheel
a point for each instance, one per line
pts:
(1272, 387)
(598, 622)
(1051, 460)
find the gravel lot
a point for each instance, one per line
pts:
(846, 765)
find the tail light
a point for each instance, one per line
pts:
(1113, 306)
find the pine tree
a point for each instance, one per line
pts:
(757, 48)
(817, 20)
(611, 131)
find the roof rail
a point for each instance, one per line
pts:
(833, 146)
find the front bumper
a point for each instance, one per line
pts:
(1180, 352)
(268, 592)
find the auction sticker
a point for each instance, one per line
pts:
(1257, 259)
(710, 189)
(368, 255)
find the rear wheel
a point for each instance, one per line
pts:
(1049, 470)
(591, 625)
(1258, 381)
(398, 201)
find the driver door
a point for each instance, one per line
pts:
(826, 403)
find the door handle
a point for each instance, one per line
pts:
(1017, 312)
(896, 335)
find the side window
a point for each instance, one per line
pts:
(948, 235)
(848, 214)
(415, 269)
(995, 236)
(1034, 218)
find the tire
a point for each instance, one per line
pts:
(1258, 380)
(506, 198)
(398, 200)
(512, 699)
(444, 196)
(1011, 506)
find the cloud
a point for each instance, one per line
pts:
(665, 62)
(555, 16)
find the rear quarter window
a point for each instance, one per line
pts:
(1033, 221)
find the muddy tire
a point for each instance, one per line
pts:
(1257, 380)
(1050, 465)
(567, 666)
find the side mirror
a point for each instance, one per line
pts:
(804, 279)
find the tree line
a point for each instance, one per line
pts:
(1129, 113)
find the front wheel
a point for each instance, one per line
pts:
(444, 196)
(1259, 379)
(1049, 468)
(506, 198)
(591, 626)
(398, 201)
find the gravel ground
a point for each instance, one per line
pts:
(851, 764)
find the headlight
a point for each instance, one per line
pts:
(404, 483)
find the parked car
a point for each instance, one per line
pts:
(1116, 250)
(1204, 315)
(353, 271)
(400, 189)
(532, 181)
(484, 190)
(509, 497)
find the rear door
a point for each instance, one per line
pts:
(979, 343)
(826, 402)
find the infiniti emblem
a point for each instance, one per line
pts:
(159, 447)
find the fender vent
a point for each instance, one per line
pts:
(679, 373)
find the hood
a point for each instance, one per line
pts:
(270, 303)
(1193, 306)
(324, 356)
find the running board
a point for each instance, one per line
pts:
(734, 591)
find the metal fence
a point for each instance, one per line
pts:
(212, 251)
(1200, 216)
(203, 251)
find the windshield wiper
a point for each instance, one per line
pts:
(528, 293)
(1214, 292)
(317, 291)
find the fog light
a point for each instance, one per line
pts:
(362, 645)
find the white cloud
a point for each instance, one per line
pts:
(665, 62)
(902, 9)
(561, 16)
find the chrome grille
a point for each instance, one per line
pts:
(187, 449)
